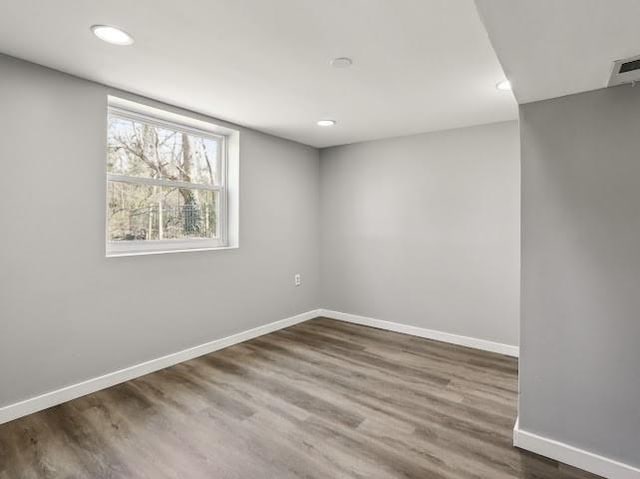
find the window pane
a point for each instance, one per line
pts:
(139, 149)
(143, 212)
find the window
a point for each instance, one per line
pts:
(166, 185)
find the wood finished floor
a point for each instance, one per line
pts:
(323, 399)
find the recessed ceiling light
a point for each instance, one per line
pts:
(112, 35)
(342, 62)
(326, 122)
(504, 85)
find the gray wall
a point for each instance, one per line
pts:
(424, 230)
(67, 312)
(580, 343)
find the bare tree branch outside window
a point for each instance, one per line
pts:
(141, 211)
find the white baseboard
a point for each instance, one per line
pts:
(475, 343)
(53, 398)
(523, 439)
(573, 456)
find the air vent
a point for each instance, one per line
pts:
(624, 71)
(629, 66)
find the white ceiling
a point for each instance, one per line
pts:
(419, 65)
(552, 48)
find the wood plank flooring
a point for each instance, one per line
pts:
(323, 399)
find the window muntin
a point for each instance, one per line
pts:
(166, 186)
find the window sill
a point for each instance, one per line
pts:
(120, 254)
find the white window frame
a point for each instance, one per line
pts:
(142, 247)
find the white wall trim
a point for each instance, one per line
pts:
(467, 341)
(573, 456)
(53, 398)
(553, 449)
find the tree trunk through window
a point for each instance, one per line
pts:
(190, 210)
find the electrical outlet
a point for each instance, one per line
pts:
(297, 279)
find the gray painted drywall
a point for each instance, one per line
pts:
(425, 230)
(70, 314)
(580, 325)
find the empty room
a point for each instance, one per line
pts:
(343, 239)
